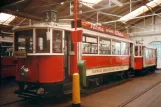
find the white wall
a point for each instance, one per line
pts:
(145, 32)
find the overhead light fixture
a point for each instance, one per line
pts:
(140, 11)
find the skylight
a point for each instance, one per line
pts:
(90, 3)
(6, 18)
(140, 10)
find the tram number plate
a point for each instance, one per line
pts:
(20, 54)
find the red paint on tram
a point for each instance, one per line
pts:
(138, 63)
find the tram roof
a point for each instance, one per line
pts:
(67, 27)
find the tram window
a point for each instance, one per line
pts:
(140, 51)
(6, 49)
(42, 41)
(136, 50)
(146, 53)
(90, 45)
(24, 40)
(57, 41)
(104, 46)
(150, 53)
(125, 48)
(116, 48)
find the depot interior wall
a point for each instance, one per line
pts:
(147, 31)
(147, 24)
(6, 39)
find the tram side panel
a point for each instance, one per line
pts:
(138, 63)
(30, 76)
(106, 61)
(102, 65)
(44, 69)
(8, 67)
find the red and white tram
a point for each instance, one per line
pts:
(45, 54)
(145, 59)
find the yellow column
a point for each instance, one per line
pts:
(76, 91)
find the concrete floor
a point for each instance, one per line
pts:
(152, 98)
(118, 95)
(114, 97)
(7, 87)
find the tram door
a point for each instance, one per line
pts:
(67, 52)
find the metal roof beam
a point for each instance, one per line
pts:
(103, 8)
(109, 14)
(134, 18)
(108, 7)
(20, 14)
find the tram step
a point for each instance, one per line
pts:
(29, 94)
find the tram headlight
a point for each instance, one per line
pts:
(24, 70)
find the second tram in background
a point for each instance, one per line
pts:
(7, 61)
(45, 56)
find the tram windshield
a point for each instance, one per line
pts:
(24, 41)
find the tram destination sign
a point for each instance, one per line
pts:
(99, 28)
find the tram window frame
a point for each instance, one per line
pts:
(91, 44)
(125, 50)
(114, 49)
(102, 48)
(60, 42)
(27, 35)
(153, 53)
(147, 53)
(46, 44)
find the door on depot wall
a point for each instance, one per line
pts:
(157, 44)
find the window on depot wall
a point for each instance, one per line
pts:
(105, 46)
(90, 45)
(116, 47)
(42, 41)
(157, 44)
(125, 48)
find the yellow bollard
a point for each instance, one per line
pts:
(76, 91)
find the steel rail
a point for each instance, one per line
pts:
(140, 94)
